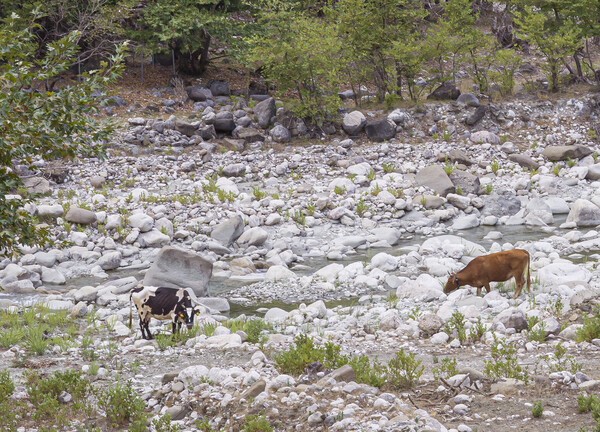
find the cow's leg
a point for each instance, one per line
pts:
(487, 287)
(142, 328)
(174, 326)
(146, 324)
(478, 291)
(519, 287)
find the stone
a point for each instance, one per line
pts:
(425, 286)
(459, 156)
(256, 236)
(280, 134)
(509, 385)
(249, 135)
(584, 213)
(177, 268)
(97, 181)
(354, 122)
(523, 160)
(468, 182)
(512, 318)
(81, 216)
(53, 276)
(219, 88)
(36, 185)
(264, 111)
(385, 262)
(458, 201)
(276, 315)
(343, 374)
(501, 204)
(435, 177)
(234, 170)
(469, 99)
(430, 324)
(477, 115)
(561, 273)
(153, 238)
(593, 172)
(278, 273)
(562, 153)
(110, 260)
(187, 129)
(389, 320)
(380, 130)
(197, 93)
(224, 122)
(141, 221)
(446, 91)
(227, 232)
(51, 211)
(254, 390)
(399, 116)
(482, 137)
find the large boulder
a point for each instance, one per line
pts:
(224, 122)
(556, 274)
(36, 185)
(562, 153)
(80, 216)
(354, 122)
(264, 111)
(584, 213)
(593, 172)
(523, 160)
(469, 99)
(501, 204)
(381, 130)
(227, 232)
(430, 324)
(425, 287)
(435, 177)
(446, 91)
(469, 183)
(219, 88)
(481, 137)
(477, 115)
(188, 129)
(255, 236)
(196, 93)
(512, 318)
(280, 134)
(249, 135)
(177, 268)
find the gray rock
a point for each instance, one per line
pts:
(381, 129)
(185, 128)
(227, 232)
(481, 137)
(280, 134)
(459, 156)
(593, 172)
(254, 390)
(153, 238)
(468, 99)
(508, 386)
(197, 93)
(224, 122)
(458, 201)
(177, 268)
(253, 237)
(435, 177)
(141, 221)
(249, 135)
(430, 324)
(354, 122)
(110, 260)
(562, 153)
(343, 374)
(53, 276)
(477, 115)
(446, 91)
(584, 213)
(469, 183)
(504, 204)
(219, 88)
(512, 318)
(234, 170)
(81, 216)
(465, 222)
(52, 211)
(97, 181)
(524, 160)
(264, 111)
(36, 185)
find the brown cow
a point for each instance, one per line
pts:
(496, 267)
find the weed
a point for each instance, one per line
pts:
(559, 361)
(446, 369)
(556, 307)
(256, 423)
(375, 191)
(415, 313)
(361, 208)
(477, 331)
(388, 167)
(254, 330)
(448, 167)
(488, 189)
(209, 328)
(435, 136)
(446, 136)
(11, 336)
(299, 217)
(457, 322)
(164, 424)
(339, 190)
(7, 386)
(310, 207)
(371, 175)
(121, 404)
(537, 409)
(459, 190)
(295, 359)
(504, 362)
(93, 369)
(586, 403)
(392, 298)
(591, 327)
(36, 339)
(404, 371)
(571, 162)
(538, 334)
(258, 194)
(495, 166)
(556, 169)
(371, 373)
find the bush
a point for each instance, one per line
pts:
(295, 360)
(504, 363)
(122, 404)
(7, 386)
(537, 409)
(446, 370)
(365, 371)
(254, 330)
(257, 423)
(590, 329)
(403, 371)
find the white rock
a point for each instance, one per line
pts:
(278, 273)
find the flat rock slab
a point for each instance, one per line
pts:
(435, 178)
(176, 268)
(562, 153)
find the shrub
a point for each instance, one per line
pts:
(121, 404)
(254, 330)
(537, 409)
(361, 208)
(403, 371)
(446, 369)
(295, 359)
(7, 386)
(504, 362)
(163, 424)
(591, 327)
(477, 331)
(36, 340)
(257, 423)
(365, 371)
(457, 322)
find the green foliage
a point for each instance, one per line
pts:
(585, 403)
(446, 369)
(339, 190)
(504, 362)
(495, 166)
(258, 194)
(256, 423)
(404, 370)
(304, 352)
(164, 424)
(538, 333)
(457, 323)
(559, 361)
(299, 217)
(388, 167)
(254, 330)
(369, 372)
(43, 123)
(122, 404)
(488, 189)
(477, 331)
(537, 409)
(7, 386)
(591, 327)
(361, 208)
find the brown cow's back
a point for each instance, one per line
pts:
(497, 267)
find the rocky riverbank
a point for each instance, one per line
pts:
(385, 204)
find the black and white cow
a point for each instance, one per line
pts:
(162, 303)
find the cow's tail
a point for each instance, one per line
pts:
(130, 310)
(528, 272)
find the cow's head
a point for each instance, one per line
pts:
(186, 315)
(451, 284)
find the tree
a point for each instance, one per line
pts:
(187, 27)
(36, 123)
